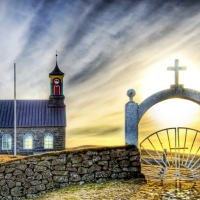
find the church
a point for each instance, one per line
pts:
(41, 124)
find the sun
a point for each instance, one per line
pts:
(175, 112)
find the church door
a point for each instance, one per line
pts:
(56, 86)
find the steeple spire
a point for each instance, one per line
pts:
(56, 70)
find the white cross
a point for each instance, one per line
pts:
(176, 69)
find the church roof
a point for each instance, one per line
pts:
(56, 71)
(31, 113)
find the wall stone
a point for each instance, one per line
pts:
(35, 175)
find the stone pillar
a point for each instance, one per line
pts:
(131, 120)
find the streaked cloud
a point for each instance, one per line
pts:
(104, 48)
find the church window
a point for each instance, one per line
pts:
(28, 141)
(48, 141)
(6, 142)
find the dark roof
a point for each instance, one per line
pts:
(56, 71)
(31, 113)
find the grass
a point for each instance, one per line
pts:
(116, 189)
(5, 158)
(133, 189)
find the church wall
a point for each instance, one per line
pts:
(38, 134)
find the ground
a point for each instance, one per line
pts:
(134, 189)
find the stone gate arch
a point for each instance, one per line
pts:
(134, 112)
(173, 92)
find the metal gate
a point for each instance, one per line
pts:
(171, 154)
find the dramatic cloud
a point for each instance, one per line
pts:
(104, 48)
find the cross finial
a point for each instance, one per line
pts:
(176, 68)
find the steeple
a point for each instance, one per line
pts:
(56, 70)
(56, 98)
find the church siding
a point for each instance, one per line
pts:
(38, 134)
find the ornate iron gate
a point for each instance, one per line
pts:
(171, 154)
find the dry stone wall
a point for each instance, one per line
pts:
(35, 175)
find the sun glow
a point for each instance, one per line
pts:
(173, 112)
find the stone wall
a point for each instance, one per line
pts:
(38, 134)
(36, 175)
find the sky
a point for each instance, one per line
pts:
(104, 48)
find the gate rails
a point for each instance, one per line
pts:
(171, 154)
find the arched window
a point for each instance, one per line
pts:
(6, 142)
(48, 141)
(28, 141)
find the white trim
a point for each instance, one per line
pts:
(7, 141)
(46, 135)
(24, 139)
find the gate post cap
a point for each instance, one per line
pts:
(131, 93)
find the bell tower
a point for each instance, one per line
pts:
(56, 98)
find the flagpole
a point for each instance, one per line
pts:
(15, 105)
